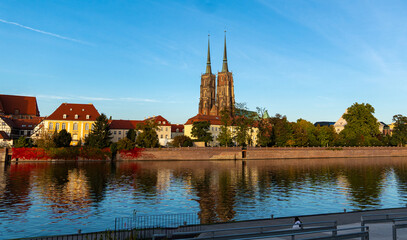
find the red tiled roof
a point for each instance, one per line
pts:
(159, 120)
(124, 124)
(4, 135)
(24, 104)
(72, 109)
(8, 121)
(214, 120)
(174, 127)
(27, 124)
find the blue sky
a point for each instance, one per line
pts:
(134, 59)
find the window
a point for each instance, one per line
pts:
(57, 126)
(86, 135)
(70, 109)
(76, 116)
(212, 128)
(75, 136)
(64, 116)
(50, 126)
(120, 132)
(30, 125)
(114, 132)
(216, 129)
(166, 136)
(83, 109)
(63, 126)
(75, 126)
(21, 132)
(126, 132)
(159, 122)
(87, 126)
(87, 116)
(161, 136)
(93, 126)
(23, 125)
(119, 138)
(16, 111)
(177, 130)
(163, 122)
(166, 129)
(3, 123)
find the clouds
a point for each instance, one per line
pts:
(43, 32)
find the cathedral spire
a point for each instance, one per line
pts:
(225, 60)
(208, 62)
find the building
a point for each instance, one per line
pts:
(18, 107)
(341, 123)
(324, 123)
(76, 119)
(177, 130)
(11, 129)
(164, 129)
(119, 128)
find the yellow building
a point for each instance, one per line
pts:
(77, 119)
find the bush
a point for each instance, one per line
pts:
(125, 144)
(182, 141)
(23, 142)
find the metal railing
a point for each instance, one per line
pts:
(397, 226)
(382, 218)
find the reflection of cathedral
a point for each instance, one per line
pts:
(224, 99)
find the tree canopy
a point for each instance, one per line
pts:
(100, 136)
(400, 130)
(200, 130)
(182, 141)
(62, 139)
(147, 138)
(225, 135)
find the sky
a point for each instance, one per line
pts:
(307, 59)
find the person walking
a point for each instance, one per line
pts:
(297, 223)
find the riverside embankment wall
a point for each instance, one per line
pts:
(270, 153)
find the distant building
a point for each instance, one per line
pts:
(177, 130)
(323, 123)
(76, 119)
(120, 128)
(11, 129)
(384, 128)
(18, 107)
(341, 123)
(164, 129)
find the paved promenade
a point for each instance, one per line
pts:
(378, 231)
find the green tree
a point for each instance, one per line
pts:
(305, 133)
(326, 136)
(100, 136)
(200, 130)
(400, 130)
(244, 124)
(131, 135)
(125, 144)
(282, 133)
(182, 141)
(362, 127)
(264, 128)
(23, 142)
(62, 139)
(225, 136)
(148, 137)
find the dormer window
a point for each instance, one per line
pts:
(164, 122)
(83, 109)
(64, 116)
(70, 109)
(30, 125)
(159, 122)
(87, 116)
(23, 126)
(76, 116)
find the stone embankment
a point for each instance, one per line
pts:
(232, 153)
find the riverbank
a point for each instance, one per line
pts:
(235, 153)
(254, 153)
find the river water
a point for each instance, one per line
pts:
(39, 199)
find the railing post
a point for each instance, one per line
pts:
(394, 232)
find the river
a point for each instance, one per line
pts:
(39, 199)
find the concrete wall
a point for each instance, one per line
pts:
(217, 153)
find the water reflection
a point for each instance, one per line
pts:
(68, 196)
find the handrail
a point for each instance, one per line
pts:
(397, 226)
(386, 218)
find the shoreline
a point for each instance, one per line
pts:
(252, 153)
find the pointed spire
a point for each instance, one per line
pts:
(208, 62)
(225, 60)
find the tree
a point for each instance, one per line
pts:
(326, 135)
(45, 140)
(225, 136)
(362, 127)
(62, 139)
(400, 130)
(200, 130)
(265, 128)
(148, 137)
(244, 124)
(100, 136)
(23, 142)
(125, 144)
(305, 133)
(282, 133)
(182, 141)
(131, 135)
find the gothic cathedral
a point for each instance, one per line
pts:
(213, 104)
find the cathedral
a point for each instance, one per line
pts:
(216, 96)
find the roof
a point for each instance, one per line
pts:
(159, 120)
(324, 123)
(214, 120)
(72, 109)
(123, 124)
(8, 121)
(27, 124)
(4, 135)
(174, 127)
(24, 104)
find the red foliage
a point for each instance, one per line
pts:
(30, 153)
(131, 154)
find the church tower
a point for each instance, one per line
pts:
(208, 88)
(225, 96)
